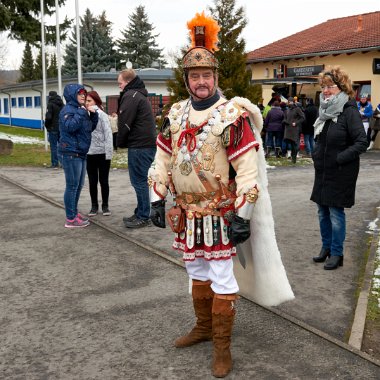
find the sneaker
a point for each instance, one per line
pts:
(106, 211)
(76, 223)
(138, 223)
(127, 219)
(93, 211)
(81, 217)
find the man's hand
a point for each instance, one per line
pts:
(157, 213)
(239, 231)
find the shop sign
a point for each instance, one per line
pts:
(304, 71)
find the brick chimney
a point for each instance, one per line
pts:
(360, 24)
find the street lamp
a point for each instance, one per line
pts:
(43, 100)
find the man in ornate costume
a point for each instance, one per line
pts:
(209, 156)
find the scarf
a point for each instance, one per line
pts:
(203, 104)
(329, 109)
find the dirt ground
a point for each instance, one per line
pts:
(371, 339)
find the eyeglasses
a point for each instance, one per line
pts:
(328, 87)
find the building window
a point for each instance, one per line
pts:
(14, 102)
(37, 101)
(6, 106)
(21, 102)
(28, 102)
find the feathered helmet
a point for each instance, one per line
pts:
(203, 31)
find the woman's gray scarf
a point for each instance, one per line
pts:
(329, 109)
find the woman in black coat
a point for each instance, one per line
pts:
(340, 139)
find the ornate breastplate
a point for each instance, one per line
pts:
(192, 145)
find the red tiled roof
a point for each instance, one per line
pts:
(335, 35)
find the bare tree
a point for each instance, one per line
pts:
(3, 50)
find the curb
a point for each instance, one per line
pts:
(358, 325)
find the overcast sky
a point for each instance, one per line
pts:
(268, 21)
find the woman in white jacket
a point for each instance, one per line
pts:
(99, 156)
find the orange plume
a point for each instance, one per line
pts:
(211, 31)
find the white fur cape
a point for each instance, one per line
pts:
(264, 279)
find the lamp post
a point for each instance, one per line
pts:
(58, 43)
(79, 60)
(43, 102)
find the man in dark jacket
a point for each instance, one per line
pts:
(137, 132)
(54, 107)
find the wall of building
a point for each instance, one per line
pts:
(31, 115)
(358, 66)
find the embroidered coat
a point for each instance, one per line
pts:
(198, 147)
(232, 150)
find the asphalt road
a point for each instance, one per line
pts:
(91, 304)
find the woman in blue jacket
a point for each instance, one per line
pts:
(76, 124)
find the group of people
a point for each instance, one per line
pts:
(285, 121)
(83, 137)
(283, 125)
(209, 155)
(370, 118)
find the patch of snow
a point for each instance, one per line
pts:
(21, 139)
(372, 226)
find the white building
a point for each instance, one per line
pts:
(20, 104)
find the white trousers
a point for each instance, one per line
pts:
(220, 272)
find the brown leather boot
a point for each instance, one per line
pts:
(223, 313)
(202, 301)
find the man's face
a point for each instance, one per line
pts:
(202, 82)
(121, 82)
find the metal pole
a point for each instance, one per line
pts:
(43, 100)
(79, 60)
(58, 42)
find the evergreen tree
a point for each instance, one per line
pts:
(37, 69)
(27, 65)
(88, 36)
(107, 52)
(97, 48)
(21, 18)
(70, 58)
(176, 86)
(234, 78)
(138, 44)
(52, 71)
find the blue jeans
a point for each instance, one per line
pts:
(332, 225)
(53, 140)
(277, 135)
(75, 172)
(309, 143)
(139, 162)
